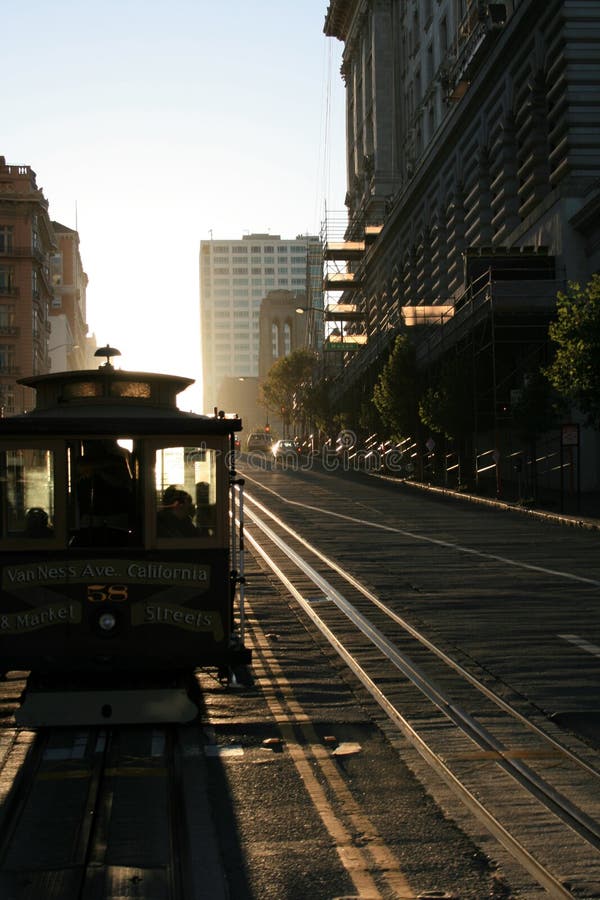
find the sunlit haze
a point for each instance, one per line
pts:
(153, 126)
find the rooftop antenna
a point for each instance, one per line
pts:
(107, 352)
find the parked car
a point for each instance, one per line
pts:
(284, 451)
(258, 442)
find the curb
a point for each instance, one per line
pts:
(573, 521)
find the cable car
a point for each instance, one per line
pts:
(121, 533)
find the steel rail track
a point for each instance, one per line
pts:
(103, 771)
(587, 828)
(424, 640)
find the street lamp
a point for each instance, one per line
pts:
(66, 344)
(302, 309)
(314, 338)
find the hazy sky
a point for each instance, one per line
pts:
(153, 125)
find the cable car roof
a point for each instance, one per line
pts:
(106, 400)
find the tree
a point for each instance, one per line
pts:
(536, 408)
(317, 405)
(534, 411)
(447, 406)
(575, 370)
(396, 394)
(288, 381)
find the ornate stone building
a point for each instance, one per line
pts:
(26, 242)
(68, 318)
(473, 159)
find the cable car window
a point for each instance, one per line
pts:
(81, 389)
(186, 492)
(138, 389)
(103, 479)
(27, 493)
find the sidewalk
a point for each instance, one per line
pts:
(583, 511)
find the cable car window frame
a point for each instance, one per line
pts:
(219, 444)
(58, 540)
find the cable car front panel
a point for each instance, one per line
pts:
(116, 553)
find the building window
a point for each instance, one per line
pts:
(7, 358)
(7, 315)
(415, 30)
(7, 278)
(430, 64)
(6, 238)
(287, 339)
(443, 36)
(275, 340)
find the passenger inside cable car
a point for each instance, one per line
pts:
(105, 484)
(174, 518)
(37, 523)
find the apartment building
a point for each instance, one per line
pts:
(42, 289)
(68, 327)
(473, 165)
(235, 277)
(27, 242)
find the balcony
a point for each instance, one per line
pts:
(427, 315)
(477, 31)
(339, 281)
(30, 252)
(343, 312)
(347, 251)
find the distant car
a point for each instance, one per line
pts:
(258, 442)
(284, 451)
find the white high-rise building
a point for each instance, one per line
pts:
(235, 276)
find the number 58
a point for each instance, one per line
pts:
(102, 593)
